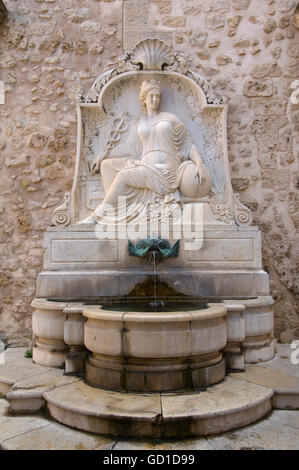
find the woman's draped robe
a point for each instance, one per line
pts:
(147, 183)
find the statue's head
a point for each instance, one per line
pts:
(150, 95)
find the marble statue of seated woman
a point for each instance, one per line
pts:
(158, 163)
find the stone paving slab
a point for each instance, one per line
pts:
(12, 426)
(16, 367)
(188, 444)
(265, 435)
(26, 395)
(288, 417)
(282, 361)
(24, 382)
(16, 356)
(275, 379)
(39, 433)
(53, 378)
(285, 386)
(57, 437)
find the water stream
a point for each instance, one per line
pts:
(155, 279)
(155, 304)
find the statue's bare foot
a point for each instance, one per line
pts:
(88, 221)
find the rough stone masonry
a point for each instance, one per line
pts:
(52, 50)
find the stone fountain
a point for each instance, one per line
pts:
(151, 171)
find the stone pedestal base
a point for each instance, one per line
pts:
(256, 354)
(234, 358)
(249, 331)
(216, 261)
(75, 361)
(48, 321)
(49, 353)
(151, 375)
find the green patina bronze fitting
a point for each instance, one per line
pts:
(154, 249)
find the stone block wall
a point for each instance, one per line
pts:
(52, 50)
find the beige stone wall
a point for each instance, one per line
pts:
(51, 50)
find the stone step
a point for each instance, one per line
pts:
(279, 431)
(23, 383)
(26, 396)
(16, 367)
(226, 406)
(240, 399)
(281, 374)
(41, 433)
(285, 387)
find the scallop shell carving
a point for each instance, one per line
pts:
(152, 54)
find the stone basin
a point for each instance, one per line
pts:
(138, 349)
(195, 355)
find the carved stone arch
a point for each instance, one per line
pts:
(152, 55)
(119, 81)
(114, 98)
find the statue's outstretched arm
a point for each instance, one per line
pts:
(120, 151)
(123, 150)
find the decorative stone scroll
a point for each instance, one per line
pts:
(242, 214)
(61, 216)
